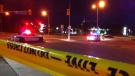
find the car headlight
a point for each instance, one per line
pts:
(92, 37)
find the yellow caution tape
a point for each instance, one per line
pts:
(60, 63)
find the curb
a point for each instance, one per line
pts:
(6, 69)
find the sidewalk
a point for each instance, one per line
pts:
(12, 68)
(5, 68)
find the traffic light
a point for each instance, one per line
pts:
(1, 8)
(68, 12)
(29, 12)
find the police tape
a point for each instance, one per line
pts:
(60, 63)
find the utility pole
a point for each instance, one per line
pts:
(69, 27)
(1, 10)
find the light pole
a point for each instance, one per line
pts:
(83, 25)
(100, 4)
(48, 25)
(44, 13)
(1, 10)
(69, 27)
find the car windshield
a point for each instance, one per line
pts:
(28, 34)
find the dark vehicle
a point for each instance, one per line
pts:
(108, 36)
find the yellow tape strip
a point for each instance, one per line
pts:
(60, 63)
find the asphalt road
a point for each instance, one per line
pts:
(119, 48)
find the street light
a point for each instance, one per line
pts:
(101, 4)
(6, 13)
(45, 13)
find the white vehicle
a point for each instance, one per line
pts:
(27, 37)
(93, 37)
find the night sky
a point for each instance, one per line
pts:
(116, 12)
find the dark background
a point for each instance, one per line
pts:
(115, 15)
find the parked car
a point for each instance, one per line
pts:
(27, 36)
(93, 37)
(108, 36)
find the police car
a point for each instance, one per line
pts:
(93, 37)
(27, 36)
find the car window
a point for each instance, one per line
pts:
(28, 34)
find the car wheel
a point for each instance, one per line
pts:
(97, 40)
(41, 39)
(21, 40)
